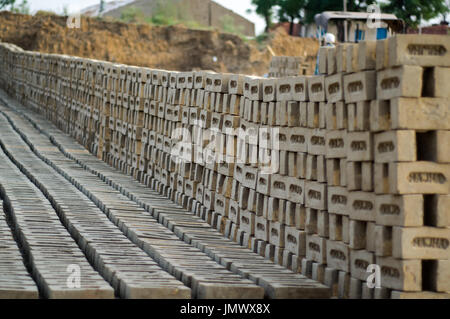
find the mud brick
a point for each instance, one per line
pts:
(316, 88)
(220, 83)
(253, 88)
(436, 82)
(334, 88)
(278, 186)
(316, 249)
(261, 228)
(370, 235)
(295, 189)
(358, 116)
(263, 184)
(300, 165)
(282, 89)
(335, 142)
(235, 189)
(433, 146)
(226, 167)
(359, 86)
(436, 210)
(252, 200)
(419, 295)
(404, 210)
(412, 178)
(355, 290)
(367, 55)
(417, 114)
(341, 57)
(243, 196)
(221, 204)
(421, 243)
(321, 169)
(322, 223)
(235, 104)
(381, 293)
(354, 175)
(404, 81)
(335, 227)
(366, 292)
(439, 275)
(247, 222)
(299, 88)
(318, 272)
(295, 241)
(359, 262)
(224, 185)
(331, 60)
(236, 84)
(311, 167)
(395, 146)
(293, 114)
(276, 234)
(361, 206)
(282, 137)
(331, 116)
(304, 114)
(400, 274)
(250, 177)
(306, 266)
(423, 50)
(311, 220)
(351, 58)
(331, 280)
(383, 240)
(323, 57)
(345, 229)
(234, 212)
(317, 145)
(190, 188)
(297, 138)
(316, 195)
(216, 121)
(334, 172)
(382, 54)
(357, 234)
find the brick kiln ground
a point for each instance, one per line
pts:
(358, 161)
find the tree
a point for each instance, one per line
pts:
(291, 10)
(22, 8)
(4, 3)
(413, 12)
(265, 9)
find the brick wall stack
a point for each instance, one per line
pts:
(327, 175)
(282, 66)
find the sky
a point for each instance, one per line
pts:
(238, 6)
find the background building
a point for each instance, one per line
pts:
(203, 12)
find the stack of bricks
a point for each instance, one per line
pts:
(329, 175)
(282, 66)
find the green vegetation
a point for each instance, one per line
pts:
(23, 7)
(5, 3)
(132, 15)
(413, 12)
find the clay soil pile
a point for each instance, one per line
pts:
(170, 48)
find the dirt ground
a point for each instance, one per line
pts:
(170, 48)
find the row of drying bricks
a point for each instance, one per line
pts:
(206, 277)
